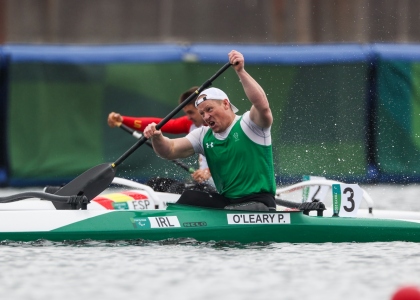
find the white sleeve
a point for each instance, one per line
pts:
(257, 134)
(196, 139)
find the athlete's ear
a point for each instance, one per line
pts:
(226, 104)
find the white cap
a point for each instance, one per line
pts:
(214, 94)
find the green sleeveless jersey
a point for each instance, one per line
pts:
(239, 166)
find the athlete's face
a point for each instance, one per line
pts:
(217, 114)
(192, 114)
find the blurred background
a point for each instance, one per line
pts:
(209, 21)
(342, 79)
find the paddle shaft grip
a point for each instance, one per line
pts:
(142, 140)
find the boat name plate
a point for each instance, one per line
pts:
(258, 218)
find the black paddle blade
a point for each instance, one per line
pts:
(91, 183)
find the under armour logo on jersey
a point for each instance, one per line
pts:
(209, 145)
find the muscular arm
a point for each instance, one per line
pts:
(260, 112)
(175, 126)
(168, 148)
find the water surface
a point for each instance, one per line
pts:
(190, 270)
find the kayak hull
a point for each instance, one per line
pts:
(201, 224)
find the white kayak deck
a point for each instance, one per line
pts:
(161, 199)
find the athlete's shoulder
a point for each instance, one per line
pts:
(245, 117)
(257, 134)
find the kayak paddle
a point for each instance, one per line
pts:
(138, 135)
(95, 180)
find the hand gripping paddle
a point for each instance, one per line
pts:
(95, 180)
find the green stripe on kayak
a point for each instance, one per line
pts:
(213, 225)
